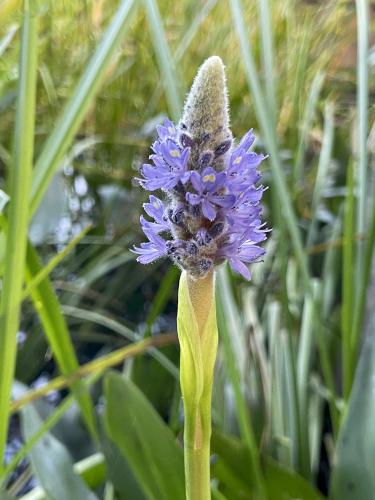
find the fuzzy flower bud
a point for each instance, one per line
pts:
(212, 209)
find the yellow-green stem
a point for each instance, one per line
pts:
(197, 455)
(197, 330)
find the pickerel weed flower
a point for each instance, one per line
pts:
(211, 211)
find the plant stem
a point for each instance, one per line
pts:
(197, 332)
(197, 454)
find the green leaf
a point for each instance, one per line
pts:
(19, 184)
(232, 470)
(144, 439)
(353, 476)
(76, 108)
(120, 473)
(54, 325)
(51, 462)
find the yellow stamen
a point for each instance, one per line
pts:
(237, 160)
(209, 177)
(175, 153)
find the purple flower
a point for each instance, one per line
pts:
(155, 248)
(208, 185)
(155, 209)
(212, 209)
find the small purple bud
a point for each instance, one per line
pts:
(205, 159)
(205, 265)
(223, 148)
(176, 216)
(216, 229)
(186, 141)
(191, 247)
(204, 138)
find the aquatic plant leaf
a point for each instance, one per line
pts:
(144, 439)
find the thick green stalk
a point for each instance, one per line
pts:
(198, 336)
(19, 189)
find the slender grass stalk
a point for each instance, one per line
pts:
(269, 134)
(48, 308)
(306, 343)
(19, 189)
(324, 159)
(120, 329)
(362, 116)
(347, 285)
(310, 108)
(244, 422)
(268, 57)
(165, 58)
(50, 422)
(60, 139)
(55, 261)
(359, 310)
(361, 280)
(95, 367)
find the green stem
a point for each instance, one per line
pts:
(197, 454)
(197, 332)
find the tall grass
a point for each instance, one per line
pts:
(290, 341)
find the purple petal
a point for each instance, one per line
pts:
(240, 268)
(208, 210)
(225, 200)
(249, 252)
(247, 140)
(186, 177)
(196, 181)
(193, 199)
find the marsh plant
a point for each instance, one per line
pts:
(211, 213)
(99, 397)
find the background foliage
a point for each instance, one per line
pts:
(105, 74)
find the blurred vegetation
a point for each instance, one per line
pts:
(281, 342)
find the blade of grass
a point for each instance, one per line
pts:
(324, 159)
(360, 306)
(60, 139)
(308, 117)
(348, 285)
(362, 116)
(97, 366)
(331, 266)
(161, 297)
(246, 428)
(305, 348)
(19, 189)
(267, 57)
(121, 329)
(48, 308)
(165, 59)
(182, 49)
(54, 262)
(269, 134)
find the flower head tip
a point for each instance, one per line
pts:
(212, 209)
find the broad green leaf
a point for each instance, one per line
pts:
(52, 463)
(232, 470)
(119, 472)
(144, 439)
(353, 476)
